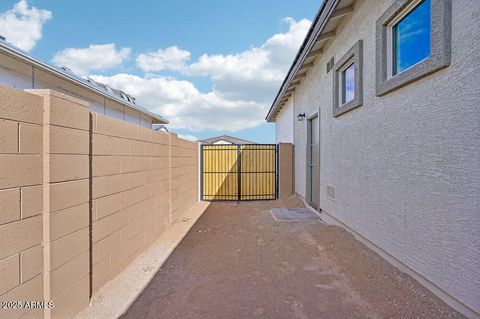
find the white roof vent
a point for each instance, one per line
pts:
(67, 69)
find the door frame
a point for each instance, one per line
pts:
(308, 169)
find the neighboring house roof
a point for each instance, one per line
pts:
(226, 138)
(321, 31)
(67, 74)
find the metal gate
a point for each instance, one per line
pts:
(239, 172)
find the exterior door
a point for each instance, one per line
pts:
(313, 162)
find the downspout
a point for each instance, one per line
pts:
(33, 77)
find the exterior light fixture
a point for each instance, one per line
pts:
(301, 116)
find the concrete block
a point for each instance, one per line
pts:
(113, 127)
(107, 205)
(118, 220)
(100, 229)
(9, 273)
(31, 290)
(64, 277)
(61, 194)
(119, 146)
(100, 186)
(106, 165)
(145, 134)
(9, 205)
(69, 220)
(20, 235)
(129, 164)
(30, 138)
(68, 304)
(136, 244)
(68, 247)
(31, 263)
(68, 167)
(20, 106)
(65, 112)
(129, 198)
(119, 256)
(160, 138)
(101, 270)
(68, 141)
(137, 179)
(119, 183)
(136, 148)
(18, 170)
(150, 149)
(8, 136)
(131, 229)
(31, 201)
(106, 246)
(137, 210)
(100, 144)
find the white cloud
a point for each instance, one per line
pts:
(185, 106)
(171, 58)
(257, 72)
(96, 57)
(23, 25)
(245, 84)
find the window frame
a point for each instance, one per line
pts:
(440, 44)
(353, 56)
(343, 82)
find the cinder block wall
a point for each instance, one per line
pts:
(71, 180)
(21, 200)
(184, 169)
(66, 203)
(130, 193)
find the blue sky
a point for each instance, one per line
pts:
(211, 67)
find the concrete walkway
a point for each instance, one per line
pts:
(238, 262)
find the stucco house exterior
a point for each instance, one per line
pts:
(21, 70)
(382, 104)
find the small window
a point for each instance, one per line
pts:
(410, 43)
(411, 38)
(347, 81)
(348, 84)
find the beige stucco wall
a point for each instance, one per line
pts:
(71, 179)
(405, 165)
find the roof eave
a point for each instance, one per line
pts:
(321, 19)
(157, 119)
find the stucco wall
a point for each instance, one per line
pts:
(18, 74)
(71, 179)
(284, 127)
(405, 165)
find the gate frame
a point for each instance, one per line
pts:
(239, 172)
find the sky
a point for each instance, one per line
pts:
(210, 67)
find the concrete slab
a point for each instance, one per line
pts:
(294, 214)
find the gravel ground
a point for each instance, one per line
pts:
(238, 262)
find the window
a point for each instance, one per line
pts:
(410, 44)
(411, 38)
(347, 78)
(348, 83)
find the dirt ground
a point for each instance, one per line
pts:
(238, 262)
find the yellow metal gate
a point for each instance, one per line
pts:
(239, 172)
